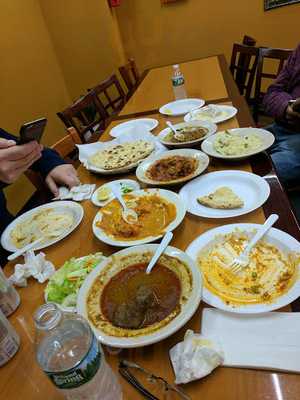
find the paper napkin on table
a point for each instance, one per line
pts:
(132, 134)
(195, 357)
(266, 341)
(35, 265)
(77, 193)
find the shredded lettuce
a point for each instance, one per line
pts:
(64, 285)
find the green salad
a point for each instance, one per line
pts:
(64, 285)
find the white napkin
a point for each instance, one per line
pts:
(36, 266)
(195, 357)
(77, 193)
(267, 341)
(133, 134)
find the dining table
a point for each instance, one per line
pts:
(210, 79)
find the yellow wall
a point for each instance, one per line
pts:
(156, 34)
(31, 81)
(86, 40)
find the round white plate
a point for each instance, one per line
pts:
(226, 112)
(251, 188)
(144, 123)
(267, 140)
(145, 165)
(212, 128)
(167, 195)
(128, 182)
(282, 240)
(187, 311)
(181, 107)
(63, 206)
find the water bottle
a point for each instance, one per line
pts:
(9, 340)
(70, 355)
(9, 297)
(178, 83)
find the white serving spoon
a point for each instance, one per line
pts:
(28, 247)
(160, 249)
(172, 127)
(128, 214)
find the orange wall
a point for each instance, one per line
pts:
(156, 34)
(86, 39)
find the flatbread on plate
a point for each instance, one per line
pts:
(223, 198)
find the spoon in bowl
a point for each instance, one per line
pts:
(172, 127)
(128, 214)
(160, 249)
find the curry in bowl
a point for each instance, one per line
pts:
(154, 212)
(172, 168)
(124, 301)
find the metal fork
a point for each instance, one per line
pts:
(243, 259)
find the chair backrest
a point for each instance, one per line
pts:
(87, 116)
(130, 75)
(244, 72)
(67, 145)
(109, 95)
(249, 41)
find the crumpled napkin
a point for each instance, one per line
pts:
(77, 193)
(195, 357)
(35, 265)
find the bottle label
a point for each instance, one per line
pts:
(178, 80)
(8, 344)
(82, 373)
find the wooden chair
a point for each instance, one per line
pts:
(280, 56)
(244, 71)
(66, 148)
(87, 116)
(249, 41)
(130, 75)
(109, 96)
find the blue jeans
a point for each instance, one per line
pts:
(285, 154)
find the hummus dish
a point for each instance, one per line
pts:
(124, 301)
(269, 275)
(233, 144)
(154, 212)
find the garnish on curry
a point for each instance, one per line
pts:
(154, 215)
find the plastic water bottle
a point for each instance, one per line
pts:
(178, 83)
(69, 353)
(9, 297)
(9, 340)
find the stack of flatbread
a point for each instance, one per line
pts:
(122, 155)
(223, 198)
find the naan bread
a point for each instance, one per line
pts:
(223, 198)
(121, 155)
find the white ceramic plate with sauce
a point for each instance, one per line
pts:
(221, 113)
(212, 128)
(143, 123)
(266, 137)
(123, 184)
(251, 188)
(166, 195)
(181, 107)
(187, 310)
(203, 161)
(283, 241)
(69, 207)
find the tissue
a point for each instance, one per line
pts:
(77, 193)
(36, 266)
(195, 357)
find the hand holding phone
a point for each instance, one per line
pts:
(32, 131)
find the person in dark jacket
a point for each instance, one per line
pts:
(15, 159)
(282, 102)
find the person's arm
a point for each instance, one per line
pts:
(277, 97)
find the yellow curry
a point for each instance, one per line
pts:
(154, 215)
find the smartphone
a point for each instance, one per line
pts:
(32, 130)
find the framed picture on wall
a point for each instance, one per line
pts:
(269, 4)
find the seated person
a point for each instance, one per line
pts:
(16, 159)
(285, 152)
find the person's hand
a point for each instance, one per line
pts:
(293, 113)
(63, 175)
(16, 159)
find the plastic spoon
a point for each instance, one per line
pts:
(19, 252)
(129, 215)
(160, 249)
